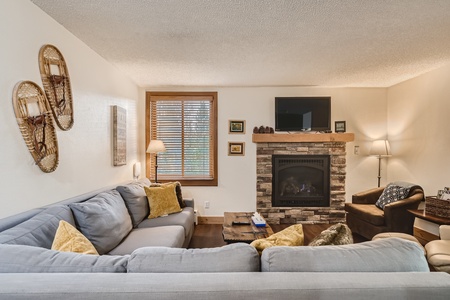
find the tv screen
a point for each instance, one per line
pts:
(302, 113)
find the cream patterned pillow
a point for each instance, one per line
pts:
(162, 200)
(69, 239)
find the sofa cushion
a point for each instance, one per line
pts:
(367, 212)
(40, 230)
(393, 192)
(168, 236)
(103, 220)
(338, 234)
(69, 239)
(177, 191)
(28, 259)
(162, 200)
(291, 236)
(135, 200)
(384, 255)
(185, 218)
(237, 257)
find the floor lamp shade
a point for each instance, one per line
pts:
(380, 148)
(156, 146)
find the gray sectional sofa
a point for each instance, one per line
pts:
(146, 264)
(113, 219)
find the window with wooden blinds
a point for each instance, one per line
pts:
(187, 124)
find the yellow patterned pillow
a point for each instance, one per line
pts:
(69, 239)
(291, 236)
(162, 200)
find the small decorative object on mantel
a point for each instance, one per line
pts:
(119, 135)
(56, 82)
(236, 126)
(36, 124)
(263, 129)
(236, 148)
(339, 126)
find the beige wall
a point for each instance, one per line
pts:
(419, 130)
(363, 109)
(413, 114)
(85, 155)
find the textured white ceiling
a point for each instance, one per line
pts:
(350, 43)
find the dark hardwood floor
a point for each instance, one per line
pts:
(210, 236)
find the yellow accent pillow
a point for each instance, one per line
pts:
(162, 200)
(69, 239)
(291, 236)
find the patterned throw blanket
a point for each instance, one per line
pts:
(393, 192)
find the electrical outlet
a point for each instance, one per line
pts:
(356, 150)
(206, 204)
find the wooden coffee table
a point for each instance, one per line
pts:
(242, 233)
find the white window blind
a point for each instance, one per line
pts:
(186, 125)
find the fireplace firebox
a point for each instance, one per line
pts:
(300, 180)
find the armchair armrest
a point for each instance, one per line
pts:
(367, 197)
(396, 214)
(444, 232)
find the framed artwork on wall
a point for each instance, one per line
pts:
(339, 126)
(236, 148)
(119, 136)
(235, 126)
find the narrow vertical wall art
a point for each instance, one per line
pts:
(56, 82)
(35, 122)
(119, 136)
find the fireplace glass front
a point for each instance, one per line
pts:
(300, 180)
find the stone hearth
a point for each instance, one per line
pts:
(301, 215)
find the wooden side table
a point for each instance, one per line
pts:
(424, 236)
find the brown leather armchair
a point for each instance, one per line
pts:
(367, 220)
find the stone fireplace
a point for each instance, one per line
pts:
(304, 149)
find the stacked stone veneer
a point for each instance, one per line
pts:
(301, 215)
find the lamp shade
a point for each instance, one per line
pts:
(380, 148)
(156, 146)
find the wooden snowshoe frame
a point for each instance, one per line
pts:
(35, 122)
(56, 82)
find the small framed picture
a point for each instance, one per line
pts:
(236, 126)
(339, 126)
(236, 148)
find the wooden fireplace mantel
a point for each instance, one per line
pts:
(302, 137)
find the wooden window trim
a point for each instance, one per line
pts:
(148, 156)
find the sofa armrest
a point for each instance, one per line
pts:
(444, 232)
(189, 202)
(368, 197)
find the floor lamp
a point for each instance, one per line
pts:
(380, 149)
(155, 147)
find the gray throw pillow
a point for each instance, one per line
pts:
(135, 200)
(27, 259)
(39, 231)
(103, 220)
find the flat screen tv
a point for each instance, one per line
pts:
(302, 113)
